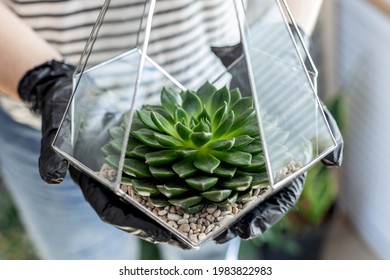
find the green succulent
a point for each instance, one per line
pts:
(196, 148)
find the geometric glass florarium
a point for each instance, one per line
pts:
(195, 140)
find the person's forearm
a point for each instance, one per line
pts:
(20, 50)
(305, 13)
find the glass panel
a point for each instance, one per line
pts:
(294, 130)
(105, 85)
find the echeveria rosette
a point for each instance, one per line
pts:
(196, 148)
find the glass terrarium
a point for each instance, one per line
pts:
(194, 114)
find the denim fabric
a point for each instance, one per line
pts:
(59, 221)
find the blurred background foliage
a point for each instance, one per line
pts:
(14, 242)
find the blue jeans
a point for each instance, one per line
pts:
(61, 224)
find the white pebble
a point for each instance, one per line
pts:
(162, 212)
(184, 228)
(174, 217)
(182, 221)
(202, 236)
(217, 213)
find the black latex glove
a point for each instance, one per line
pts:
(269, 212)
(113, 210)
(46, 89)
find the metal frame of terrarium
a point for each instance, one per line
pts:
(63, 142)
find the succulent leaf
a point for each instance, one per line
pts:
(200, 138)
(168, 141)
(136, 168)
(144, 188)
(161, 157)
(236, 158)
(222, 145)
(162, 172)
(181, 115)
(140, 151)
(192, 104)
(225, 126)
(220, 97)
(206, 162)
(172, 190)
(238, 183)
(117, 132)
(163, 124)
(183, 131)
(216, 195)
(205, 92)
(202, 183)
(235, 95)
(146, 118)
(184, 168)
(169, 100)
(186, 202)
(160, 201)
(113, 161)
(147, 137)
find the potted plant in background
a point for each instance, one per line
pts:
(302, 233)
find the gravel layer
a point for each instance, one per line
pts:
(195, 227)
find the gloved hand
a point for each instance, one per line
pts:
(113, 210)
(46, 90)
(269, 212)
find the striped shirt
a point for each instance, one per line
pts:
(180, 40)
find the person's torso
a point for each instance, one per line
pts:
(181, 36)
